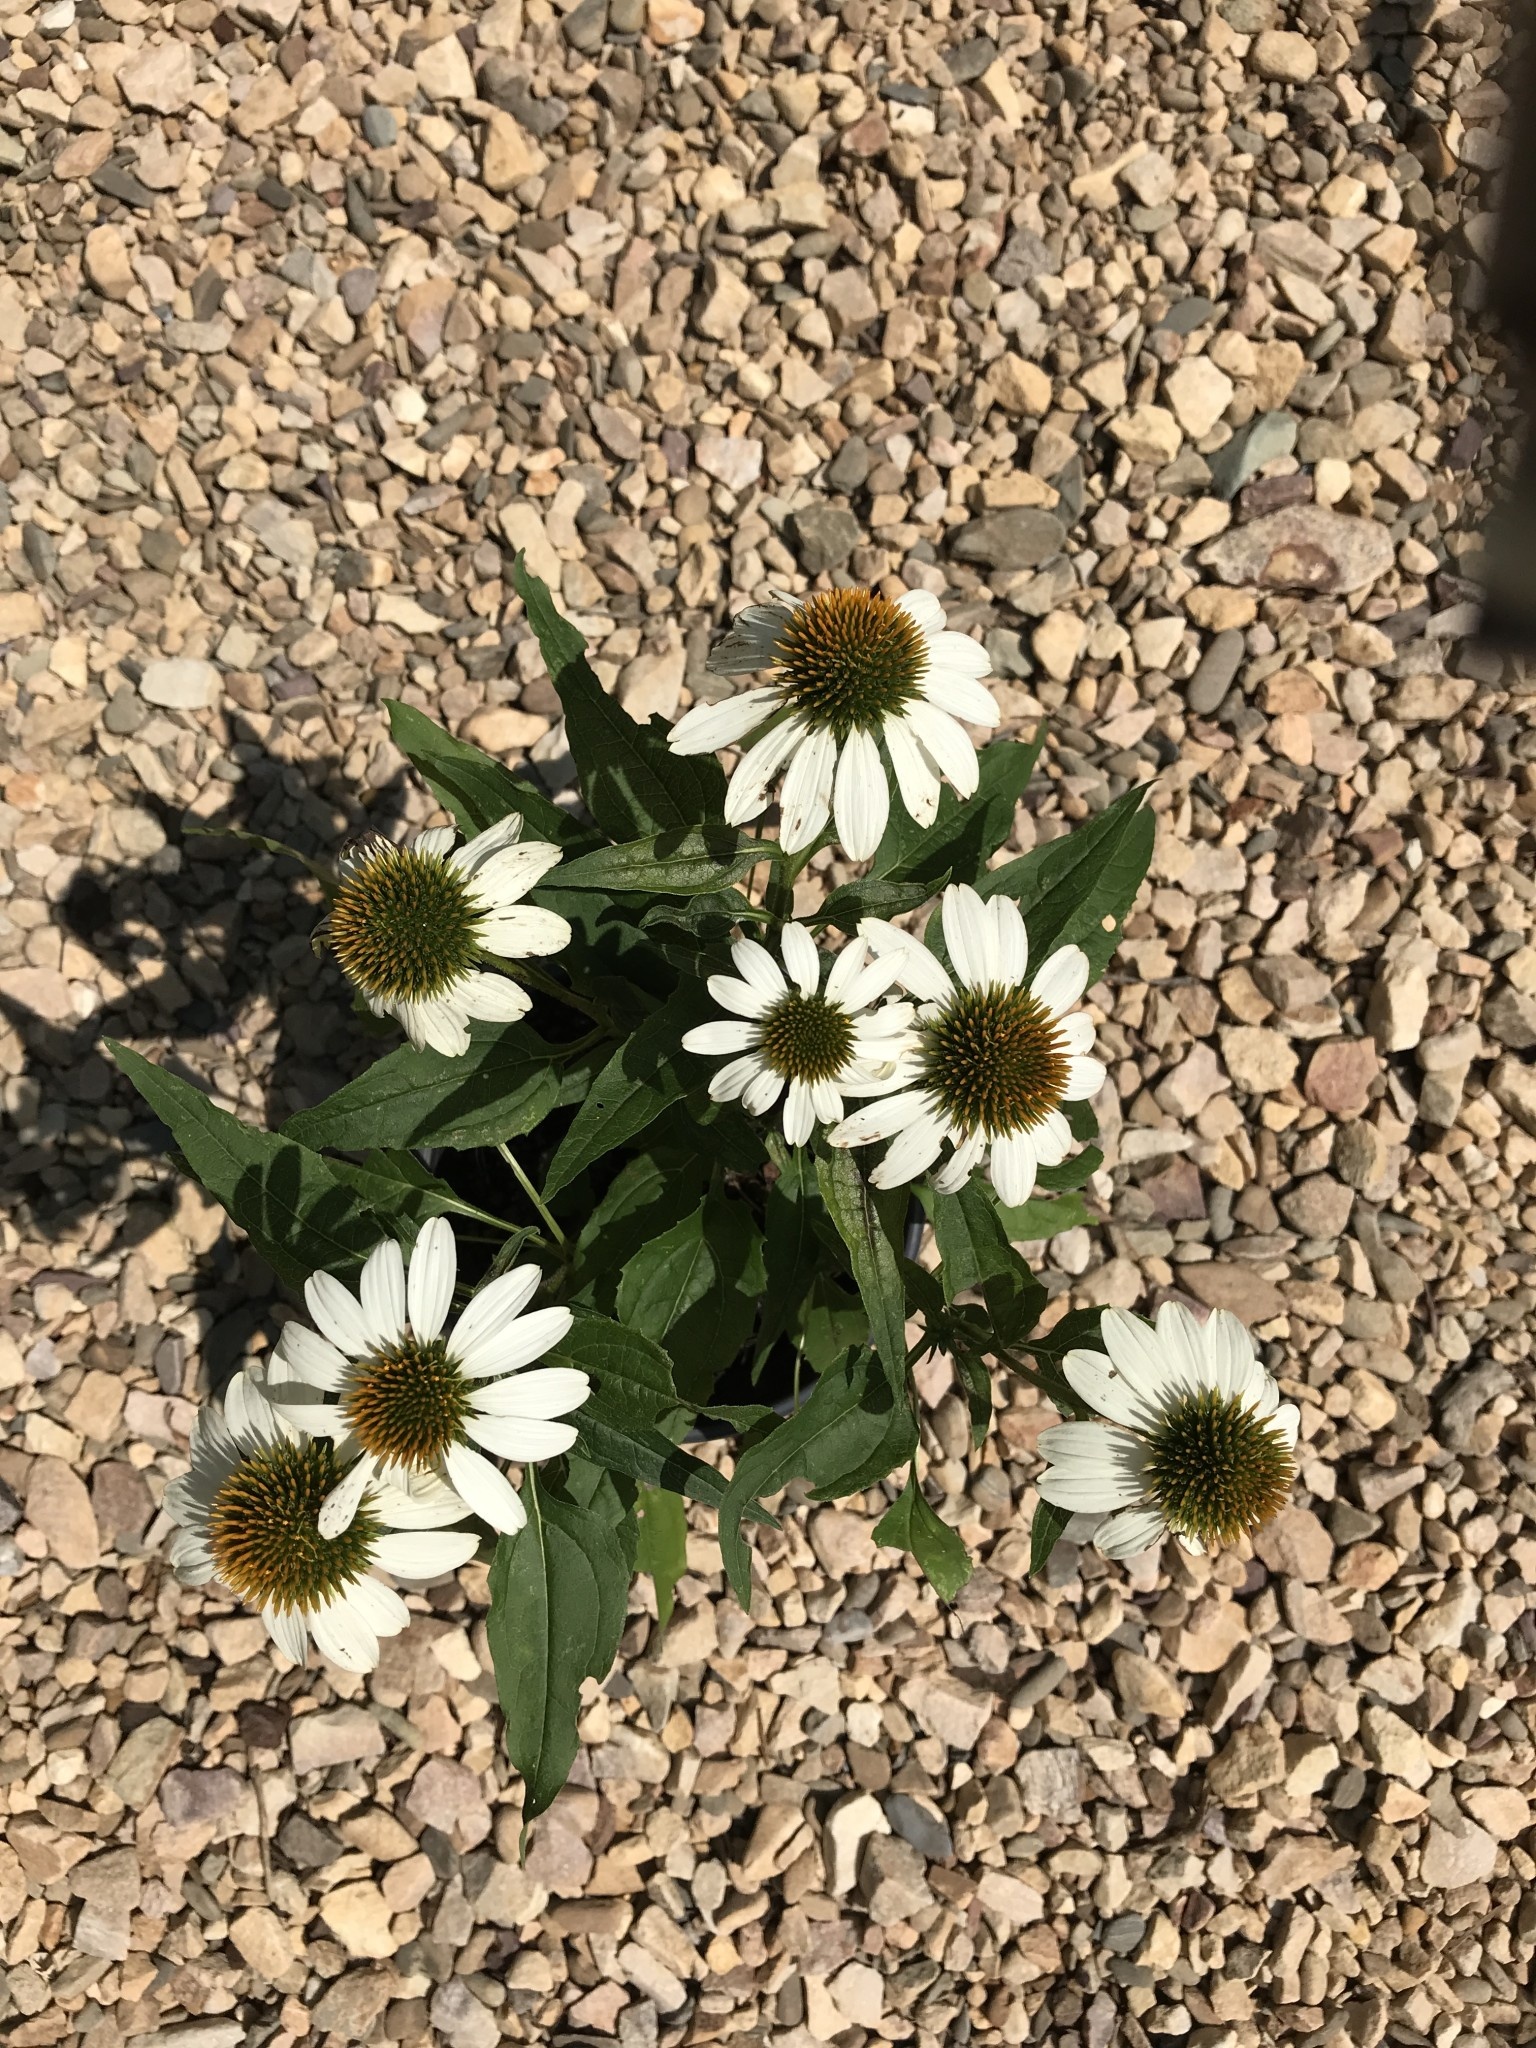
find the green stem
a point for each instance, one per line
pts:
(779, 894)
(1025, 1372)
(534, 1196)
(547, 985)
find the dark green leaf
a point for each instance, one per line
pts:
(1078, 890)
(793, 1250)
(506, 1083)
(648, 1071)
(873, 1241)
(478, 790)
(321, 870)
(632, 782)
(1075, 1172)
(298, 1212)
(696, 1288)
(1078, 1330)
(621, 964)
(1032, 1221)
(651, 1192)
(911, 1524)
(551, 1626)
(832, 1323)
(663, 1545)
(1081, 1121)
(872, 898)
(851, 1432)
(1045, 1532)
(964, 835)
(640, 1451)
(632, 1376)
(696, 863)
(975, 1376)
(974, 1252)
(397, 1184)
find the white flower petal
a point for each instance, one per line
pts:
(309, 1357)
(799, 1115)
(493, 1306)
(1053, 1138)
(1061, 979)
(957, 1169)
(338, 1315)
(802, 962)
(968, 935)
(523, 931)
(959, 653)
(847, 965)
(1091, 1467)
(423, 1501)
(762, 1091)
(378, 1607)
(434, 1269)
(920, 972)
(381, 1287)
(436, 840)
(1156, 1372)
(758, 968)
(735, 1035)
(911, 1153)
(1074, 1032)
(541, 1394)
(503, 875)
(475, 852)
(1109, 1393)
(730, 1082)
(286, 1625)
(881, 1119)
(916, 782)
(1010, 941)
(437, 1026)
(1013, 1167)
(923, 609)
(339, 1508)
(946, 743)
(861, 796)
(343, 1636)
(1130, 1532)
(740, 997)
(528, 1440)
(708, 727)
(513, 1344)
(826, 1102)
(1085, 1077)
(425, 1553)
(747, 793)
(487, 1489)
(805, 802)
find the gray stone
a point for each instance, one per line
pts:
(1302, 547)
(380, 128)
(1217, 666)
(919, 1822)
(359, 288)
(1510, 1017)
(305, 1844)
(825, 536)
(1123, 1935)
(585, 26)
(1266, 436)
(1018, 538)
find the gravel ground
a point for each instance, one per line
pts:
(1146, 335)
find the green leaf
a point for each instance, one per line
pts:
(553, 1590)
(696, 1288)
(974, 1252)
(874, 898)
(1078, 1330)
(649, 1194)
(975, 1376)
(321, 870)
(632, 1377)
(478, 790)
(1075, 1172)
(640, 1451)
(300, 1214)
(852, 1431)
(632, 782)
(911, 1524)
(663, 1545)
(396, 1183)
(793, 1249)
(964, 835)
(696, 863)
(506, 1083)
(872, 1240)
(1030, 1222)
(1045, 1532)
(1078, 891)
(648, 1071)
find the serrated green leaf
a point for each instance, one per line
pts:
(477, 789)
(663, 1551)
(695, 863)
(1078, 890)
(964, 835)
(397, 1184)
(632, 782)
(1045, 1533)
(874, 898)
(911, 1524)
(850, 1433)
(872, 1241)
(647, 1072)
(299, 1213)
(506, 1083)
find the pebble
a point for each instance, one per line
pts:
(181, 684)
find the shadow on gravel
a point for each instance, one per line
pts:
(214, 940)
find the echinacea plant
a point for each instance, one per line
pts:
(660, 1156)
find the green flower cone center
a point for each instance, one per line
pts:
(262, 1529)
(404, 925)
(806, 1038)
(1217, 1469)
(407, 1404)
(995, 1061)
(848, 659)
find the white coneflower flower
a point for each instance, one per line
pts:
(793, 1033)
(1196, 1440)
(410, 1401)
(409, 926)
(249, 1516)
(994, 1055)
(851, 669)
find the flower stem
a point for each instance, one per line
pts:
(547, 985)
(779, 890)
(533, 1195)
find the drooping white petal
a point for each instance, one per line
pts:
(440, 1025)
(1085, 1077)
(968, 935)
(826, 1102)
(802, 962)
(285, 1625)
(434, 1269)
(847, 965)
(728, 1083)
(519, 1437)
(957, 1169)
(378, 1607)
(486, 1488)
(339, 1508)
(494, 1305)
(338, 1314)
(1130, 1532)
(425, 1553)
(799, 1115)
(381, 1287)
(1226, 1350)
(249, 1413)
(309, 1357)
(1153, 1369)
(436, 841)
(917, 782)
(708, 727)
(1053, 1138)
(946, 743)
(540, 1394)
(923, 609)
(737, 996)
(1074, 1032)
(422, 1500)
(961, 695)
(724, 1035)
(1091, 1468)
(880, 1119)
(1013, 1167)
(911, 1153)
(1060, 981)
(920, 972)
(752, 780)
(1109, 1393)
(861, 796)
(762, 1091)
(342, 1635)
(474, 853)
(512, 1344)
(805, 802)
(758, 968)
(868, 985)
(959, 652)
(191, 1559)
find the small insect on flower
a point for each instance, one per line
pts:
(790, 1036)
(249, 1515)
(410, 925)
(408, 1401)
(851, 669)
(993, 1057)
(1196, 1440)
